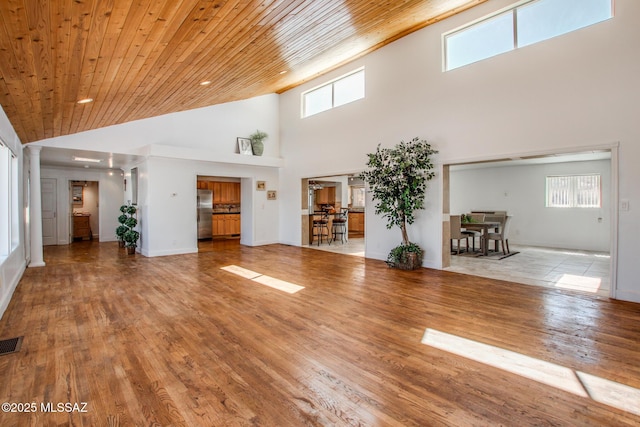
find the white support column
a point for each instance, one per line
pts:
(35, 214)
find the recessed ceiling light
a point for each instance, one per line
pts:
(283, 72)
(86, 159)
(205, 83)
(85, 101)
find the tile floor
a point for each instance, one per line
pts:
(574, 270)
(353, 246)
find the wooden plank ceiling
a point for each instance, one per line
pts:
(143, 58)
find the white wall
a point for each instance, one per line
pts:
(167, 202)
(574, 92)
(12, 267)
(213, 128)
(520, 190)
(110, 184)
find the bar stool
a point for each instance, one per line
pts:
(339, 226)
(321, 226)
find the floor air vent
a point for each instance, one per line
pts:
(10, 345)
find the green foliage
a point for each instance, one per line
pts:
(131, 237)
(398, 179)
(131, 222)
(467, 219)
(128, 222)
(398, 255)
(258, 136)
(120, 231)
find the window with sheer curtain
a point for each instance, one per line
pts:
(574, 191)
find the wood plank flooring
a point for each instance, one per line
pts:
(176, 341)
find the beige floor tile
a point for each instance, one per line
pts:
(580, 271)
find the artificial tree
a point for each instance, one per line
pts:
(397, 178)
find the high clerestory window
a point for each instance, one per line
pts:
(525, 23)
(335, 93)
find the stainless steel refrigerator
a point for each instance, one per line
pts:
(205, 209)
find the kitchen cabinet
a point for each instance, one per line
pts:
(217, 225)
(226, 224)
(217, 193)
(232, 224)
(326, 196)
(225, 192)
(234, 193)
(356, 222)
(204, 185)
(81, 227)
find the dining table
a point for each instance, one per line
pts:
(483, 228)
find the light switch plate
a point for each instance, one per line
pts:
(624, 205)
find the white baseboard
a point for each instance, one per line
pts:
(628, 295)
(168, 252)
(12, 284)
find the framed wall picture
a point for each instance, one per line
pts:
(261, 185)
(244, 146)
(271, 195)
(77, 195)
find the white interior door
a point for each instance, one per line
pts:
(49, 216)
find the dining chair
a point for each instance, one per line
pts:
(456, 233)
(475, 217)
(502, 236)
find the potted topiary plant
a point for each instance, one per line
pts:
(120, 230)
(398, 180)
(125, 232)
(256, 142)
(131, 240)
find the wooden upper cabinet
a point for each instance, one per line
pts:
(326, 196)
(218, 196)
(225, 192)
(235, 192)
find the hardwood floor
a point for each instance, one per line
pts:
(178, 341)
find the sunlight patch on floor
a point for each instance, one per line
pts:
(579, 283)
(272, 282)
(599, 389)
